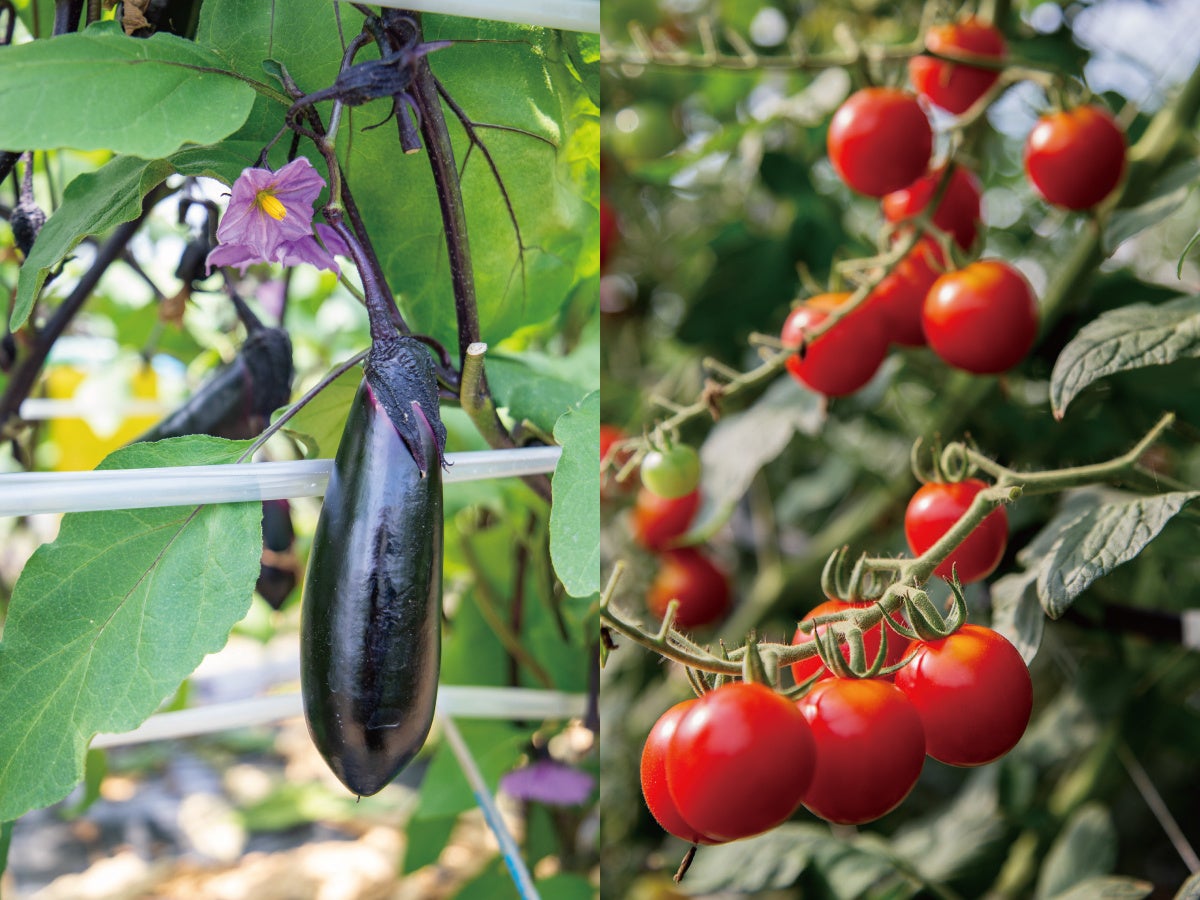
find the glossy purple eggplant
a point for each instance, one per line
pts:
(370, 634)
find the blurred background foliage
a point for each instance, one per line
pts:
(724, 196)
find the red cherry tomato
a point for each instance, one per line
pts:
(973, 693)
(609, 486)
(672, 471)
(982, 318)
(806, 668)
(1075, 158)
(687, 575)
(658, 521)
(879, 141)
(955, 86)
(870, 748)
(899, 299)
(958, 212)
(609, 232)
(740, 761)
(934, 509)
(654, 777)
(842, 359)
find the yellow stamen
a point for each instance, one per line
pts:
(270, 204)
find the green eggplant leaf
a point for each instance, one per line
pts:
(575, 515)
(101, 90)
(109, 618)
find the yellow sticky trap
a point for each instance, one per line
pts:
(270, 204)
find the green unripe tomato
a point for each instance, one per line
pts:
(671, 472)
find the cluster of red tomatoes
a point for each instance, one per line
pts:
(742, 758)
(983, 317)
(663, 511)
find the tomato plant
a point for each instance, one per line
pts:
(672, 471)
(872, 641)
(654, 776)
(844, 358)
(658, 521)
(959, 212)
(806, 484)
(982, 318)
(934, 509)
(956, 86)
(1075, 158)
(690, 577)
(740, 761)
(609, 485)
(879, 141)
(870, 749)
(973, 693)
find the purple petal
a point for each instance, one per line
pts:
(297, 186)
(305, 250)
(548, 782)
(237, 255)
(332, 240)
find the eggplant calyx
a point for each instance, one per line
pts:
(400, 374)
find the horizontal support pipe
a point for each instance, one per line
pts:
(27, 493)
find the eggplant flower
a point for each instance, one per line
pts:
(270, 219)
(548, 781)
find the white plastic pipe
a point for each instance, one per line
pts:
(26, 493)
(569, 15)
(452, 700)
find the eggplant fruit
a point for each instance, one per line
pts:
(370, 632)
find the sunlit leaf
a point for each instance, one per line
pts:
(109, 618)
(1130, 337)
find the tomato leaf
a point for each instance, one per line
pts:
(953, 839)
(575, 515)
(1086, 848)
(109, 618)
(1190, 890)
(1016, 613)
(1166, 195)
(1112, 887)
(1131, 337)
(101, 90)
(858, 866)
(96, 201)
(1090, 544)
(742, 443)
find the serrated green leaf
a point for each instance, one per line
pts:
(1166, 195)
(770, 861)
(319, 425)
(1131, 337)
(97, 201)
(1086, 848)
(742, 443)
(101, 90)
(1112, 887)
(1017, 614)
(575, 515)
(949, 841)
(1098, 540)
(109, 618)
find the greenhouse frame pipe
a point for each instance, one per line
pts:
(569, 15)
(28, 493)
(460, 701)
